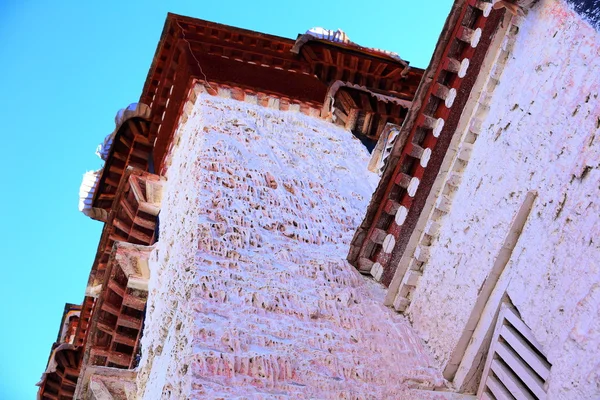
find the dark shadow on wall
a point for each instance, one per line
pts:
(589, 10)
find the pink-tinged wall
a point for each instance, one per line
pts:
(541, 133)
(250, 294)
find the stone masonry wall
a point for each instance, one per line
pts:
(542, 133)
(250, 295)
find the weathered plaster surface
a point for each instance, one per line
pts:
(250, 296)
(542, 133)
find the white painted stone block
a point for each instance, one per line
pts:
(401, 215)
(422, 253)
(224, 93)
(432, 228)
(443, 203)
(465, 151)
(464, 67)
(389, 243)
(439, 125)
(476, 37)
(450, 98)
(413, 186)
(400, 303)
(412, 277)
(454, 179)
(377, 271)
(424, 161)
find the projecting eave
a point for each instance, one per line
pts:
(126, 145)
(413, 112)
(220, 56)
(147, 201)
(340, 39)
(70, 310)
(423, 139)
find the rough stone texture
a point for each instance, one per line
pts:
(542, 133)
(249, 295)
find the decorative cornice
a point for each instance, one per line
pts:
(340, 37)
(440, 199)
(95, 182)
(413, 163)
(192, 50)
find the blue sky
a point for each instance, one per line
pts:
(65, 69)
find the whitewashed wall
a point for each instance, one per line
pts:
(249, 292)
(542, 133)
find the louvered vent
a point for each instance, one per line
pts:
(516, 367)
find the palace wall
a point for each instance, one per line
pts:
(249, 293)
(541, 134)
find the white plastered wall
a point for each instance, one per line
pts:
(249, 293)
(542, 133)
